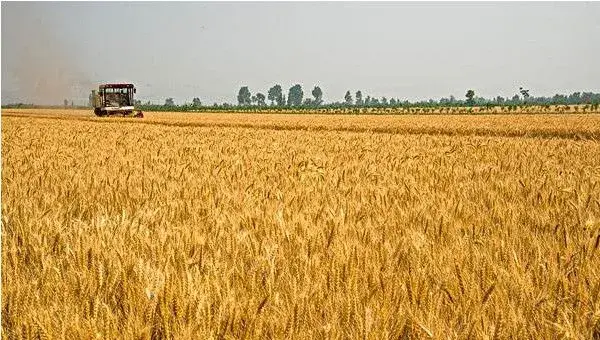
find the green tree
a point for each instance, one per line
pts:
(275, 95)
(196, 102)
(169, 102)
(515, 99)
(244, 96)
(260, 99)
(524, 93)
(348, 98)
(66, 102)
(295, 95)
(575, 98)
(359, 98)
(318, 95)
(470, 95)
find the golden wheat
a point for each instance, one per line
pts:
(575, 126)
(241, 226)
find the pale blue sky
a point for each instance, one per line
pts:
(52, 51)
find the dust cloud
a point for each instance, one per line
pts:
(41, 70)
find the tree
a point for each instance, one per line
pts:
(260, 99)
(318, 94)
(169, 102)
(368, 100)
(575, 98)
(275, 94)
(196, 102)
(384, 101)
(66, 102)
(586, 97)
(295, 95)
(359, 98)
(559, 99)
(348, 98)
(244, 96)
(470, 94)
(524, 93)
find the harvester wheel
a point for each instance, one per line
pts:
(138, 114)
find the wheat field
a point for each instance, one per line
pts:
(208, 226)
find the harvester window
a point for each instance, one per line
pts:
(116, 90)
(117, 97)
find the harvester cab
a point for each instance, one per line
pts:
(115, 99)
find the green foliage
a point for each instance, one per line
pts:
(260, 99)
(295, 95)
(275, 95)
(348, 98)
(359, 98)
(470, 94)
(244, 96)
(318, 95)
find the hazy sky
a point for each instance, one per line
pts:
(52, 51)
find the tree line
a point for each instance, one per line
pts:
(296, 98)
(275, 95)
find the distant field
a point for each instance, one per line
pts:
(300, 226)
(578, 126)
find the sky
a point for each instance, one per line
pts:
(408, 50)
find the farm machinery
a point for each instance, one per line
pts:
(115, 99)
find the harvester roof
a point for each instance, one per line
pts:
(116, 86)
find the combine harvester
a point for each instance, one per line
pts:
(115, 99)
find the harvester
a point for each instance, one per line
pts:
(115, 99)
